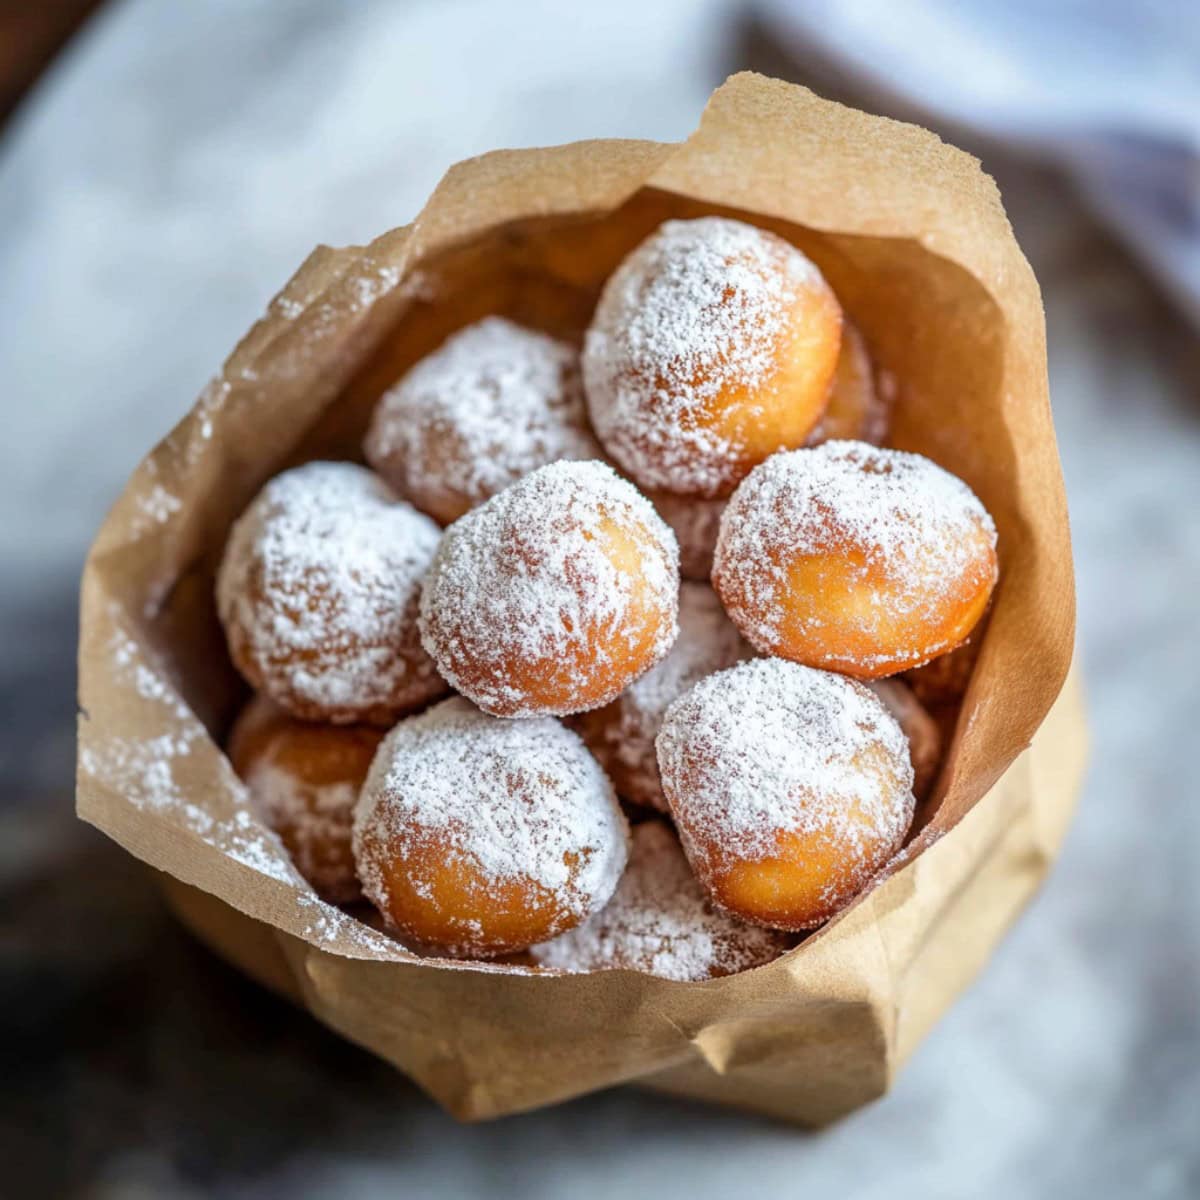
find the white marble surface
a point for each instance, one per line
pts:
(173, 169)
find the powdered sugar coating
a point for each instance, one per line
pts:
(553, 595)
(915, 540)
(694, 315)
(318, 593)
(493, 403)
(519, 801)
(661, 922)
(771, 748)
(622, 734)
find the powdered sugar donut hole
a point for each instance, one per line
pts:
(790, 787)
(695, 523)
(860, 407)
(318, 592)
(660, 921)
(553, 596)
(621, 735)
(493, 403)
(481, 837)
(304, 780)
(713, 345)
(920, 730)
(855, 559)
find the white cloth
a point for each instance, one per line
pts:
(1108, 90)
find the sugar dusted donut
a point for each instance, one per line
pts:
(493, 403)
(482, 836)
(553, 596)
(791, 788)
(621, 735)
(304, 780)
(919, 728)
(712, 346)
(660, 921)
(860, 402)
(855, 559)
(318, 593)
(695, 523)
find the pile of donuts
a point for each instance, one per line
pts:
(487, 706)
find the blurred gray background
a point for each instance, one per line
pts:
(166, 176)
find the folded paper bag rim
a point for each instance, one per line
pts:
(830, 1009)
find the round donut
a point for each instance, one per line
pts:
(791, 788)
(304, 779)
(712, 346)
(621, 735)
(481, 836)
(919, 728)
(493, 403)
(553, 596)
(695, 523)
(318, 593)
(661, 922)
(856, 559)
(860, 403)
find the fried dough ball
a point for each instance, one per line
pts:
(304, 779)
(661, 922)
(791, 788)
(481, 836)
(621, 735)
(553, 596)
(855, 559)
(695, 523)
(860, 402)
(713, 345)
(493, 403)
(920, 729)
(318, 593)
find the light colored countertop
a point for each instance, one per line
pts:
(175, 167)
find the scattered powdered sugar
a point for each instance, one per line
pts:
(518, 800)
(697, 309)
(528, 578)
(143, 771)
(318, 592)
(770, 747)
(209, 405)
(907, 520)
(622, 735)
(379, 279)
(660, 921)
(159, 505)
(328, 926)
(493, 403)
(696, 523)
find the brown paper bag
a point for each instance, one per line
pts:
(912, 236)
